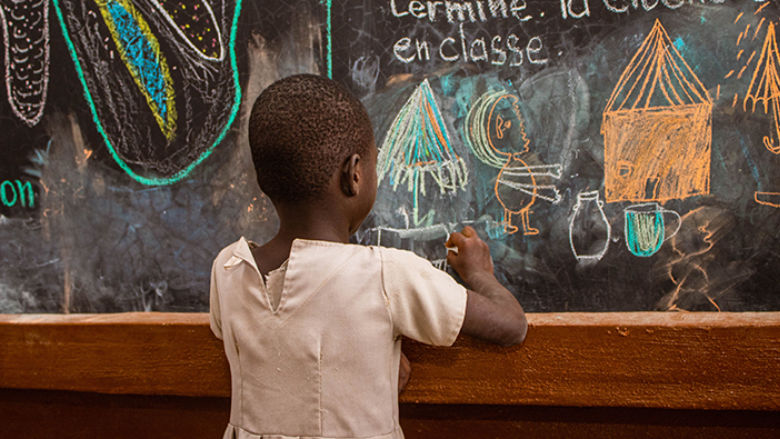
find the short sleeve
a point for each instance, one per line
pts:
(426, 304)
(215, 317)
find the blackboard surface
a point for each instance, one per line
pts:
(616, 154)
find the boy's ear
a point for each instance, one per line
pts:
(350, 175)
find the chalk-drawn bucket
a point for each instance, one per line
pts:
(645, 228)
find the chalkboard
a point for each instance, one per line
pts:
(616, 154)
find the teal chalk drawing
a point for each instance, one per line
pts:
(644, 234)
(183, 173)
(329, 35)
(17, 192)
(645, 229)
(417, 146)
(679, 43)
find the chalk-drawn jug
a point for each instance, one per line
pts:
(589, 228)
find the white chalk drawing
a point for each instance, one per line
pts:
(589, 229)
(426, 241)
(26, 40)
(490, 121)
(195, 23)
(418, 145)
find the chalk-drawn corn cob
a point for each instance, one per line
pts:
(148, 69)
(26, 40)
(140, 51)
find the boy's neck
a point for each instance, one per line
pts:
(319, 221)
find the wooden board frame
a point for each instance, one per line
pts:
(704, 361)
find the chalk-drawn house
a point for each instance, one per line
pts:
(657, 127)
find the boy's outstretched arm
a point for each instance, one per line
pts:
(492, 312)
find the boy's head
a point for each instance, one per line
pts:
(304, 129)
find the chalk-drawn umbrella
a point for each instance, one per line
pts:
(417, 145)
(764, 87)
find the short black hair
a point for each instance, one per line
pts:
(301, 130)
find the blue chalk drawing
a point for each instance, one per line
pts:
(417, 144)
(183, 173)
(140, 51)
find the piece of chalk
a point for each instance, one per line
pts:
(452, 249)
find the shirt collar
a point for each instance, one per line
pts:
(242, 252)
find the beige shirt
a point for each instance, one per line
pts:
(324, 363)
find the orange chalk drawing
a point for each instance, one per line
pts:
(657, 127)
(417, 145)
(764, 89)
(494, 124)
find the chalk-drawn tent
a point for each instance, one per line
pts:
(657, 127)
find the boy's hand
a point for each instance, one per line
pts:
(472, 259)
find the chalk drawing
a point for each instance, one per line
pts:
(657, 127)
(417, 146)
(589, 229)
(489, 124)
(196, 25)
(140, 51)
(695, 268)
(26, 40)
(645, 228)
(140, 156)
(764, 88)
(427, 241)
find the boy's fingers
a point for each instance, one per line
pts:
(456, 240)
(468, 232)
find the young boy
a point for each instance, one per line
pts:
(311, 324)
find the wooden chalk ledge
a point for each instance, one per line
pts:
(710, 361)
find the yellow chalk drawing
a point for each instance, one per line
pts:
(657, 127)
(140, 52)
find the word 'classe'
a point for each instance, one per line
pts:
(497, 51)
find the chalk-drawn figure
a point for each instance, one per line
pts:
(765, 89)
(644, 228)
(148, 70)
(695, 267)
(657, 127)
(494, 126)
(26, 40)
(195, 23)
(417, 146)
(589, 229)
